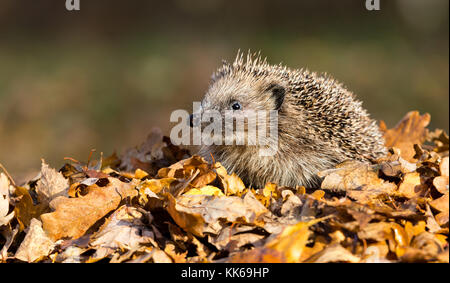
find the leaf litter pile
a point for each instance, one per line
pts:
(156, 203)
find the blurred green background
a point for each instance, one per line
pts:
(103, 76)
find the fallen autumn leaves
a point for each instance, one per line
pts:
(156, 203)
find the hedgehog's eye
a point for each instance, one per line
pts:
(235, 105)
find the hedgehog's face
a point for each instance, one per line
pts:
(240, 95)
(244, 92)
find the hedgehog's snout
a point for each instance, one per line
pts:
(194, 120)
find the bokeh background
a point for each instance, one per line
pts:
(103, 76)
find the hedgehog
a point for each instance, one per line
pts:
(320, 122)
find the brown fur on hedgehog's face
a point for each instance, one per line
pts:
(236, 92)
(241, 93)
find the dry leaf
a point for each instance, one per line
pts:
(432, 224)
(201, 213)
(441, 182)
(394, 165)
(370, 219)
(177, 257)
(36, 243)
(376, 253)
(292, 240)
(409, 131)
(51, 184)
(359, 180)
(379, 231)
(233, 184)
(411, 185)
(206, 190)
(258, 255)
(73, 216)
(232, 238)
(160, 256)
(25, 210)
(333, 253)
(441, 203)
(124, 229)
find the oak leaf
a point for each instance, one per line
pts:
(201, 213)
(73, 216)
(124, 229)
(409, 131)
(359, 180)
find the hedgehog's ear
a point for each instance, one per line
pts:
(278, 93)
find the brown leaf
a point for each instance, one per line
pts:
(333, 253)
(424, 247)
(442, 218)
(233, 184)
(177, 257)
(440, 139)
(441, 203)
(441, 182)
(395, 165)
(409, 131)
(443, 166)
(124, 229)
(376, 253)
(292, 240)
(25, 210)
(232, 238)
(411, 185)
(432, 224)
(379, 231)
(201, 213)
(73, 216)
(160, 256)
(258, 255)
(195, 169)
(359, 180)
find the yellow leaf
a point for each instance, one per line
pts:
(233, 184)
(139, 174)
(206, 190)
(270, 190)
(292, 240)
(156, 185)
(318, 194)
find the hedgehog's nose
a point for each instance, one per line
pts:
(191, 120)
